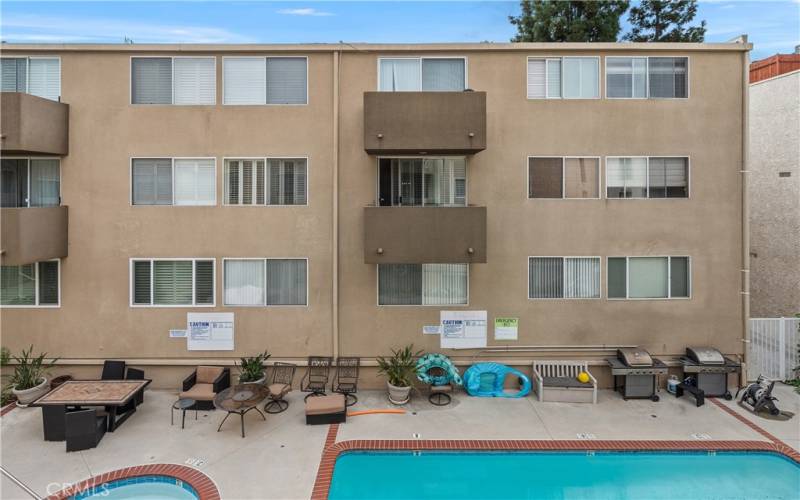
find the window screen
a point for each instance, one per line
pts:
(545, 177)
(422, 284)
(626, 177)
(13, 74)
(581, 178)
(581, 77)
(399, 75)
(44, 77)
(152, 181)
(195, 80)
(34, 284)
(184, 282)
(244, 182)
(195, 182)
(443, 74)
(286, 181)
(258, 282)
(245, 80)
(286, 282)
(648, 277)
(626, 77)
(286, 80)
(564, 277)
(668, 77)
(668, 177)
(151, 80)
(426, 74)
(617, 278)
(14, 183)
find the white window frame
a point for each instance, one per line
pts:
(563, 177)
(131, 283)
(264, 259)
(563, 277)
(28, 71)
(647, 177)
(426, 157)
(36, 289)
(266, 159)
(378, 288)
(172, 64)
(28, 159)
(647, 78)
(420, 59)
(669, 277)
(547, 58)
(172, 166)
(308, 100)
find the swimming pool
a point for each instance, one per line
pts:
(141, 488)
(546, 475)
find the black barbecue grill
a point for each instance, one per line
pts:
(710, 370)
(638, 372)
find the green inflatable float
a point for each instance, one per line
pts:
(433, 360)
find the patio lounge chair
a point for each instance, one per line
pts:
(346, 379)
(84, 429)
(281, 385)
(316, 378)
(205, 383)
(113, 370)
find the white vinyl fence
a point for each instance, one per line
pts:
(773, 348)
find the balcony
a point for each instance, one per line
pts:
(424, 122)
(30, 235)
(32, 125)
(413, 235)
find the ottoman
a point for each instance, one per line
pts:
(326, 409)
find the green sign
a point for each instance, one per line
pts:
(506, 328)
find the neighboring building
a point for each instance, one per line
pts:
(336, 198)
(774, 185)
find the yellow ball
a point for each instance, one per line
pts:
(583, 377)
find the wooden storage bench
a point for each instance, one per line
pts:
(557, 381)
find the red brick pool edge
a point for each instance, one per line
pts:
(202, 484)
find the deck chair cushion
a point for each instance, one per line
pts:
(323, 405)
(279, 390)
(200, 392)
(207, 374)
(564, 382)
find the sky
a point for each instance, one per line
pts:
(773, 26)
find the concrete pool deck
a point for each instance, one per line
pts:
(280, 458)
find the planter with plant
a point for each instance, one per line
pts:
(399, 370)
(252, 370)
(28, 381)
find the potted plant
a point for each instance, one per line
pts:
(251, 370)
(28, 381)
(399, 370)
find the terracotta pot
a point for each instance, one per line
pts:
(398, 395)
(28, 396)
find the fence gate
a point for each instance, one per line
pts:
(773, 348)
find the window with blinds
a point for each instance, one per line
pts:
(626, 77)
(564, 277)
(649, 277)
(30, 182)
(668, 77)
(414, 74)
(266, 181)
(647, 77)
(563, 77)
(647, 177)
(173, 80)
(438, 182)
(265, 80)
(31, 285)
(172, 282)
(39, 76)
(423, 284)
(167, 181)
(265, 282)
(563, 177)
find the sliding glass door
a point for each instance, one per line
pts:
(422, 182)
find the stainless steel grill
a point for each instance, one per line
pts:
(709, 369)
(636, 373)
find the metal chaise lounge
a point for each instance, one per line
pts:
(346, 379)
(316, 378)
(281, 385)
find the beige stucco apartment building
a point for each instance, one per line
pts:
(337, 198)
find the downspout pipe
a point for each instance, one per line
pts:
(335, 211)
(745, 207)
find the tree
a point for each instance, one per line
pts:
(568, 21)
(665, 21)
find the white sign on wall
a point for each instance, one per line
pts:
(463, 329)
(209, 331)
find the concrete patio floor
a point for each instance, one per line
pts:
(279, 458)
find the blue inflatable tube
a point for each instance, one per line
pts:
(431, 360)
(486, 380)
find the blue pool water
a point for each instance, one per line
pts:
(557, 475)
(141, 488)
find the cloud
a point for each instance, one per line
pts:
(306, 11)
(30, 28)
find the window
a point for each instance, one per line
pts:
(647, 77)
(266, 282)
(178, 80)
(568, 178)
(39, 76)
(647, 177)
(30, 285)
(30, 182)
(265, 80)
(270, 181)
(649, 277)
(172, 282)
(422, 74)
(564, 277)
(564, 77)
(167, 181)
(422, 284)
(422, 181)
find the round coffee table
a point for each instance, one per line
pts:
(182, 404)
(240, 399)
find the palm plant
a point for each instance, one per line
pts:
(30, 370)
(400, 367)
(252, 369)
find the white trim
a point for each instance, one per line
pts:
(172, 167)
(563, 258)
(28, 71)
(193, 260)
(563, 176)
(420, 58)
(647, 178)
(646, 78)
(378, 289)
(308, 100)
(688, 73)
(264, 259)
(669, 258)
(36, 297)
(562, 80)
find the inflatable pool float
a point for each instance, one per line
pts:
(486, 380)
(431, 360)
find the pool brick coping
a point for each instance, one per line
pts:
(201, 483)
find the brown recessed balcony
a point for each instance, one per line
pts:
(424, 122)
(430, 235)
(30, 235)
(32, 125)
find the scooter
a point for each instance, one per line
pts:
(758, 395)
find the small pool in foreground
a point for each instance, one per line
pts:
(602, 475)
(141, 488)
